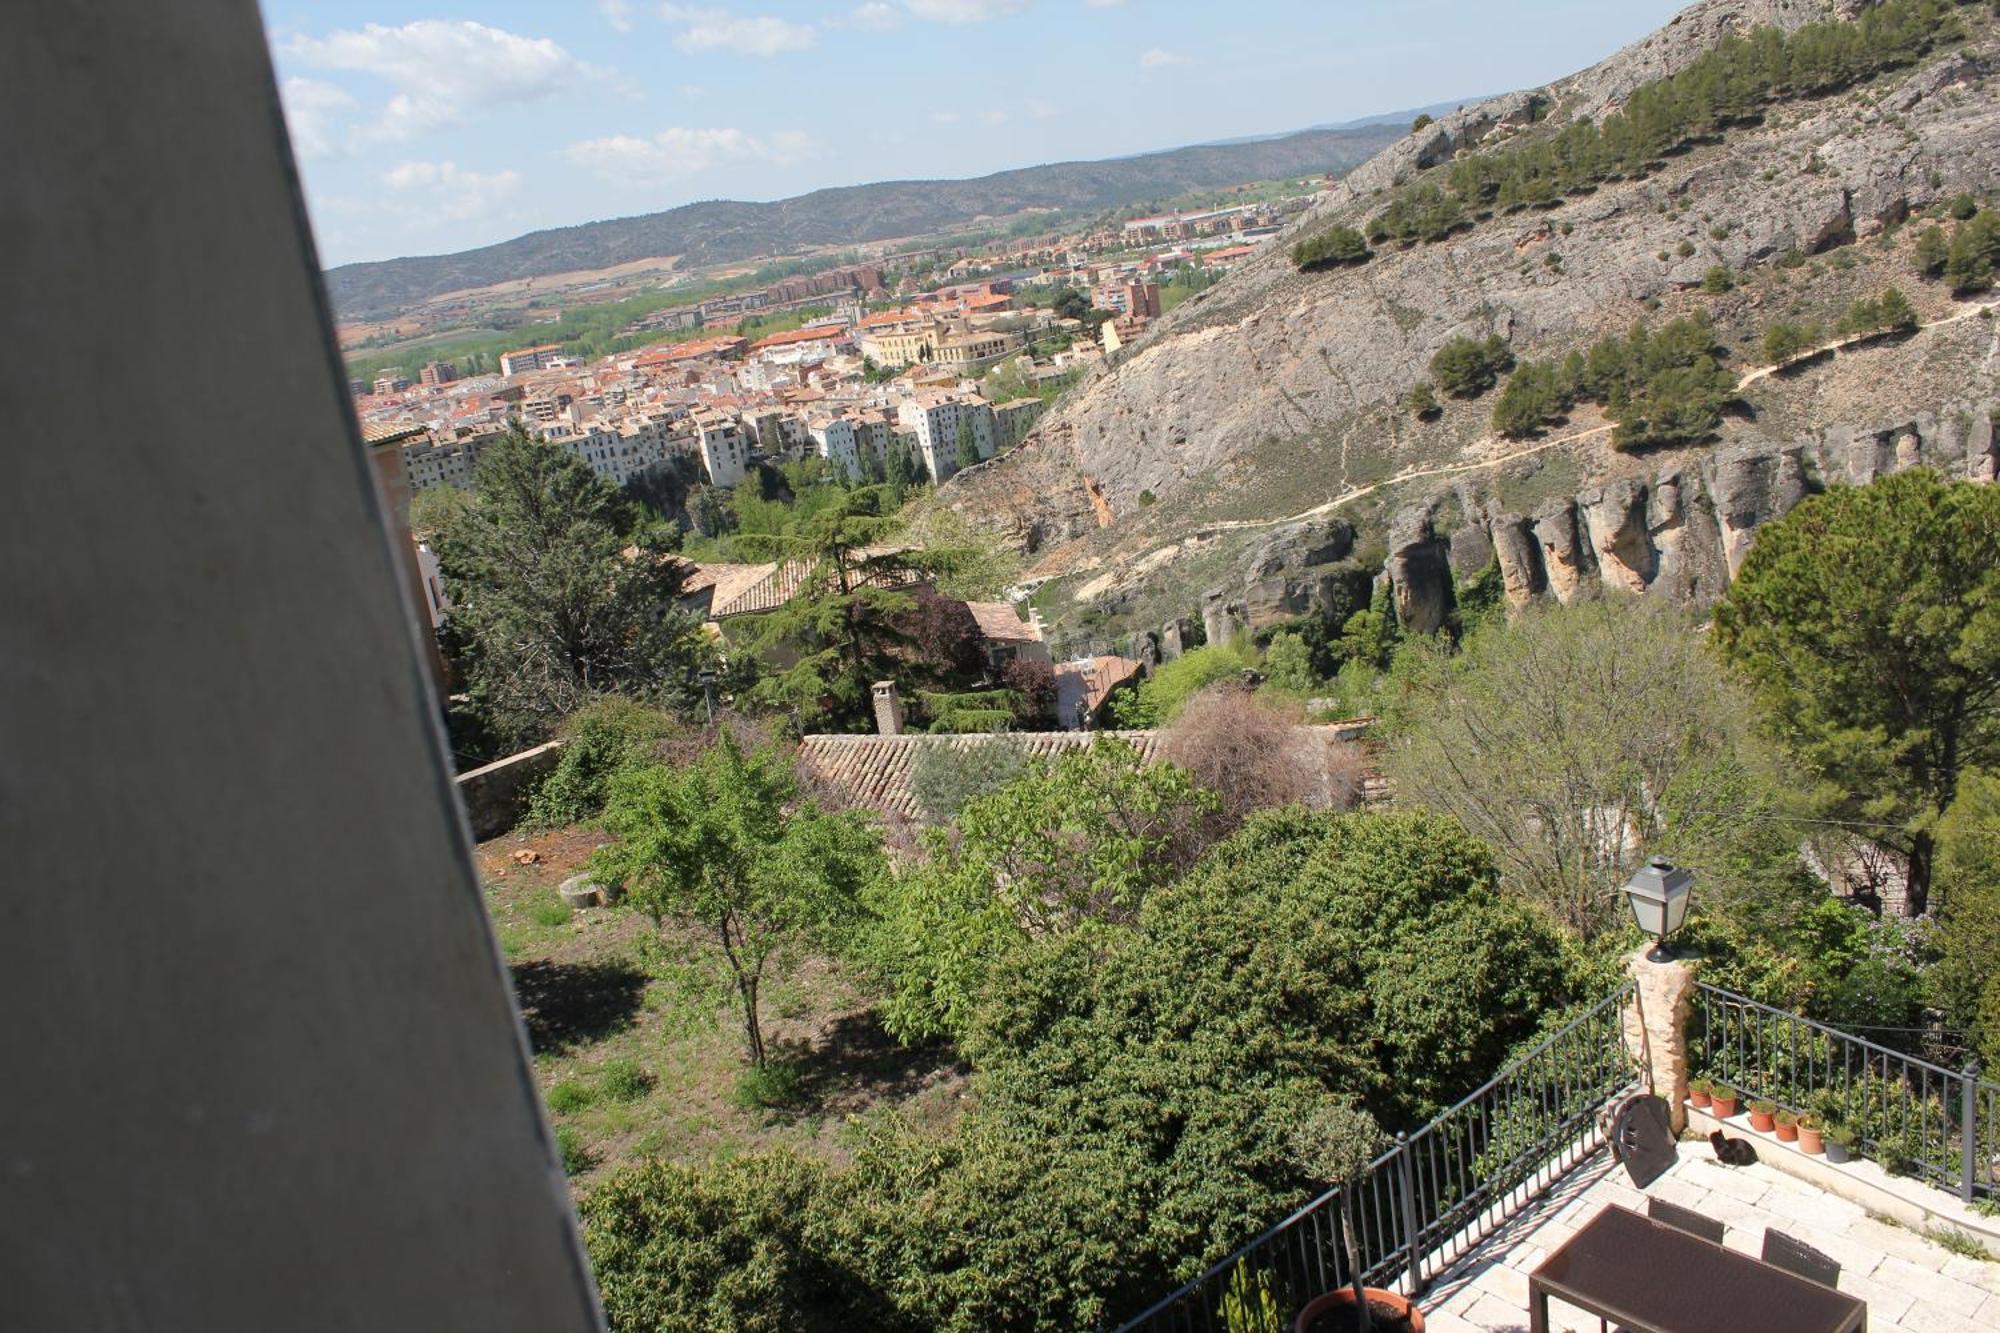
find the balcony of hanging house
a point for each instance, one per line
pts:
(279, 1082)
(1468, 1216)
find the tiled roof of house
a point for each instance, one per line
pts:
(877, 772)
(1091, 682)
(1000, 622)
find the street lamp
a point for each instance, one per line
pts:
(1659, 896)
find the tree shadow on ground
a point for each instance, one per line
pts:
(855, 1062)
(569, 1004)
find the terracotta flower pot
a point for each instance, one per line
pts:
(1812, 1140)
(1787, 1133)
(1700, 1098)
(1724, 1107)
(1342, 1300)
(1763, 1121)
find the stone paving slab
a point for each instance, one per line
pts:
(1911, 1284)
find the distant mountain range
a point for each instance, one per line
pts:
(726, 231)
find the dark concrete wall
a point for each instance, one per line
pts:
(261, 1067)
(497, 795)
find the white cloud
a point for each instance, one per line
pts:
(750, 35)
(965, 11)
(1157, 59)
(1104, 4)
(627, 159)
(442, 70)
(618, 13)
(694, 92)
(874, 16)
(311, 109)
(994, 117)
(944, 117)
(1043, 109)
(449, 193)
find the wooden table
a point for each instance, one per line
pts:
(1647, 1276)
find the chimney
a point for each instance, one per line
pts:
(888, 708)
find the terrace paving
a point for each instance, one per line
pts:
(1911, 1285)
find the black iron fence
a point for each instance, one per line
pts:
(1937, 1124)
(1432, 1196)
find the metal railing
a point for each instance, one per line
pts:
(1434, 1195)
(1939, 1125)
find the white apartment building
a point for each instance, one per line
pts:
(725, 453)
(834, 440)
(935, 417)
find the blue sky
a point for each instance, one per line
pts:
(441, 127)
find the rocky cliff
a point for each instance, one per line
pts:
(1273, 402)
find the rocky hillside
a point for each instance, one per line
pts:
(1255, 451)
(727, 230)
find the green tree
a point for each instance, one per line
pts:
(1784, 341)
(1468, 367)
(1974, 253)
(1161, 696)
(1536, 395)
(727, 846)
(1555, 735)
(1868, 622)
(1967, 976)
(1083, 840)
(968, 451)
(1931, 251)
(549, 608)
(848, 623)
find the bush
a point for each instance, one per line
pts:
(552, 914)
(600, 739)
(568, 1097)
(623, 1080)
(1891, 312)
(1718, 281)
(1422, 401)
(1467, 367)
(1931, 251)
(1421, 123)
(771, 1086)
(576, 1159)
(1161, 696)
(1333, 248)
(1962, 206)
(1255, 757)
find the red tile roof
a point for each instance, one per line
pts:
(1000, 622)
(877, 772)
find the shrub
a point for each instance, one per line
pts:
(623, 1080)
(1962, 206)
(1468, 367)
(1931, 251)
(1685, 249)
(1254, 757)
(1421, 123)
(1422, 400)
(551, 914)
(568, 1097)
(1333, 248)
(1974, 253)
(600, 739)
(1161, 696)
(576, 1159)
(1718, 281)
(1536, 395)
(773, 1085)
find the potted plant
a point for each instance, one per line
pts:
(1701, 1092)
(1724, 1098)
(1812, 1139)
(1839, 1143)
(1788, 1126)
(1336, 1145)
(1763, 1116)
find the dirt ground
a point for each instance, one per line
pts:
(599, 987)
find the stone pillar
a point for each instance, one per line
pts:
(1656, 1028)
(888, 708)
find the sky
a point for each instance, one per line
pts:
(425, 128)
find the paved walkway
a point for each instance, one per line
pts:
(1911, 1285)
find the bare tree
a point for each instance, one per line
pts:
(1256, 755)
